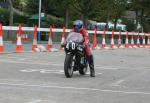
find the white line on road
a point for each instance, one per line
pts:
(23, 57)
(25, 81)
(60, 64)
(77, 88)
(106, 67)
(37, 63)
(49, 71)
(53, 64)
(117, 83)
(36, 101)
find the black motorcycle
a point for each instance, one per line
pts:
(75, 59)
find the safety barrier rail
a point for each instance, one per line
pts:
(95, 45)
(60, 30)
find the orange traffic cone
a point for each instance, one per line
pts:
(119, 39)
(1, 40)
(34, 45)
(148, 41)
(50, 44)
(138, 40)
(19, 47)
(103, 40)
(94, 46)
(63, 39)
(132, 40)
(112, 40)
(126, 43)
(144, 40)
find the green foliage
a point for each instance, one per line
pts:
(69, 10)
(86, 8)
(20, 19)
(130, 25)
(4, 17)
(19, 4)
(17, 18)
(32, 6)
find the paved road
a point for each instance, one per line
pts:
(122, 76)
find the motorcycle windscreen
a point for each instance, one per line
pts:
(74, 37)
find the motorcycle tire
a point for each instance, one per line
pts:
(68, 66)
(83, 70)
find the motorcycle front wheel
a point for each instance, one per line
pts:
(69, 66)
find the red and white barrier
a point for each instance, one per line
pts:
(21, 38)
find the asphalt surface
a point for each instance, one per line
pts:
(122, 76)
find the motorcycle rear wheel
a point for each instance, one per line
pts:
(83, 70)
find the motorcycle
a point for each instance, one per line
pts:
(75, 59)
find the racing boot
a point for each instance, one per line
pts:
(91, 65)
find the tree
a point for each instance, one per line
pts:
(32, 6)
(64, 8)
(86, 8)
(19, 4)
(11, 12)
(141, 8)
(118, 10)
(10, 17)
(114, 10)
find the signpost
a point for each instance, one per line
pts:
(39, 23)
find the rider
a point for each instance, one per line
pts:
(78, 27)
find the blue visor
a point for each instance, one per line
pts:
(76, 29)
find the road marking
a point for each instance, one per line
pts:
(26, 81)
(117, 83)
(106, 67)
(29, 70)
(60, 64)
(48, 71)
(36, 101)
(20, 57)
(88, 73)
(54, 64)
(77, 88)
(37, 63)
(42, 71)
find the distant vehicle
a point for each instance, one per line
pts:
(106, 26)
(103, 26)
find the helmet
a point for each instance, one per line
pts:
(78, 24)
